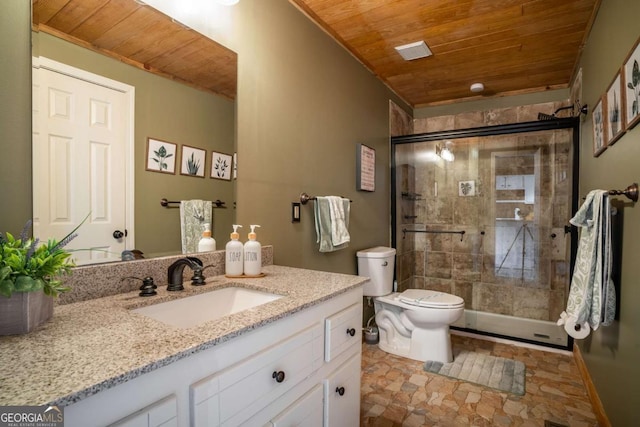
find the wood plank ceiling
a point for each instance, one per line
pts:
(511, 46)
(143, 37)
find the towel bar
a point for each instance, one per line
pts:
(165, 203)
(304, 198)
(461, 232)
(631, 192)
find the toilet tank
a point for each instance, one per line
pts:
(377, 264)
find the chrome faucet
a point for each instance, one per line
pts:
(176, 270)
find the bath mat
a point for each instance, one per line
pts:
(490, 371)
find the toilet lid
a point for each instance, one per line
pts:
(427, 298)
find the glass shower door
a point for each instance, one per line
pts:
(486, 222)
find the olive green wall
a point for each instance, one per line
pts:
(15, 115)
(612, 353)
(303, 105)
(172, 112)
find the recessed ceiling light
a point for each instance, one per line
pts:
(414, 50)
(477, 87)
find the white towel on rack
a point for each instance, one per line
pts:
(193, 215)
(323, 223)
(339, 211)
(592, 298)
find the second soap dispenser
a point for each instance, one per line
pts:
(233, 257)
(207, 243)
(252, 255)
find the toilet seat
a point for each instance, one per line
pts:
(430, 299)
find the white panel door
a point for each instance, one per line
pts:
(81, 131)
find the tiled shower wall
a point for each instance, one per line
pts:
(428, 198)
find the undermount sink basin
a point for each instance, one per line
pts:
(197, 309)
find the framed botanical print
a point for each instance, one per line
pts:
(631, 87)
(613, 111)
(221, 166)
(161, 156)
(192, 162)
(598, 123)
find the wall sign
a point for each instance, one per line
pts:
(365, 168)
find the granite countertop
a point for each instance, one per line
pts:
(93, 345)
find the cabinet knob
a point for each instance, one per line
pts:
(340, 391)
(351, 332)
(278, 376)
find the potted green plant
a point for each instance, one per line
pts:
(29, 279)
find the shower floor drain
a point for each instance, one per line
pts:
(548, 423)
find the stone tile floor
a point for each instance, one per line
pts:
(398, 392)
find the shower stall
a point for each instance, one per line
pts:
(483, 213)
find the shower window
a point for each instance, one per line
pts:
(485, 221)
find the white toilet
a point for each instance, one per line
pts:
(414, 323)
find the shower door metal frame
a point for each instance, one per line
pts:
(572, 123)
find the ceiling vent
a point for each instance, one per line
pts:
(414, 50)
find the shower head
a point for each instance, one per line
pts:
(543, 116)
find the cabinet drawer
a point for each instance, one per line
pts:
(342, 395)
(306, 411)
(204, 405)
(162, 413)
(342, 330)
(233, 395)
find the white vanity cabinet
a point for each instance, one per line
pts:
(334, 399)
(336, 338)
(226, 398)
(281, 374)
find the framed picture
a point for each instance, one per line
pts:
(631, 86)
(192, 162)
(161, 156)
(613, 111)
(365, 168)
(221, 165)
(598, 123)
(466, 188)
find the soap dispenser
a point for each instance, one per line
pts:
(252, 255)
(207, 243)
(233, 258)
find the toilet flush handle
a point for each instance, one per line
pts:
(385, 264)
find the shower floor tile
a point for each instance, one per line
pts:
(398, 392)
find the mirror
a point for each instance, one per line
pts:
(184, 85)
